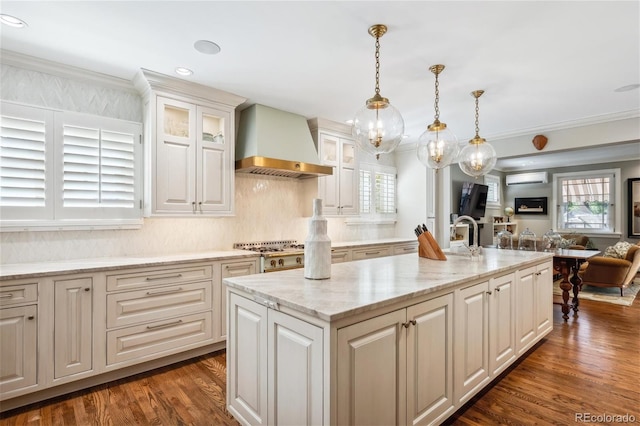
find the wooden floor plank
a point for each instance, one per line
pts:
(590, 364)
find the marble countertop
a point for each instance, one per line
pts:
(69, 266)
(364, 285)
(36, 269)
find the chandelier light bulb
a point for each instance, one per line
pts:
(378, 126)
(437, 146)
(477, 158)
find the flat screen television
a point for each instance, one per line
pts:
(473, 200)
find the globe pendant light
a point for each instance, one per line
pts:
(478, 157)
(437, 146)
(378, 127)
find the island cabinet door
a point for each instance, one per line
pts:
(525, 309)
(430, 361)
(247, 361)
(544, 297)
(502, 343)
(472, 340)
(371, 366)
(295, 371)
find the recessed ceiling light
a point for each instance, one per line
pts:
(627, 88)
(12, 21)
(207, 47)
(183, 71)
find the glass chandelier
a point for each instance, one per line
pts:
(437, 146)
(378, 127)
(478, 157)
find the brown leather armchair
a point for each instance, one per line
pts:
(602, 271)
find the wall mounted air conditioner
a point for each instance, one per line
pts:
(526, 178)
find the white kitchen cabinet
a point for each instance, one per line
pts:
(157, 311)
(397, 368)
(371, 252)
(193, 159)
(502, 345)
(534, 304)
(472, 340)
(340, 255)
(405, 248)
(231, 269)
(18, 348)
(337, 149)
(190, 146)
(73, 325)
(260, 363)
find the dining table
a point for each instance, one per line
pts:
(567, 262)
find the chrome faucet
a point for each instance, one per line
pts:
(474, 249)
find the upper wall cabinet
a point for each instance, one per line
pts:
(337, 149)
(189, 146)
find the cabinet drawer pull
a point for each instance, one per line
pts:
(169, 324)
(236, 267)
(164, 291)
(6, 296)
(164, 277)
(408, 248)
(372, 252)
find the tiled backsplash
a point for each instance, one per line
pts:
(267, 208)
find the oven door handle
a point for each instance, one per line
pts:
(284, 268)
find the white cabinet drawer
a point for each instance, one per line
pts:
(16, 294)
(236, 269)
(339, 256)
(134, 307)
(405, 248)
(158, 276)
(371, 252)
(174, 334)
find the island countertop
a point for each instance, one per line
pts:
(365, 285)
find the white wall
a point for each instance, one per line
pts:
(412, 192)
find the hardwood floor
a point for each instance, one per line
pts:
(589, 366)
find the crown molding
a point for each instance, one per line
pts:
(32, 63)
(571, 124)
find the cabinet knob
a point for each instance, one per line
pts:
(87, 289)
(489, 292)
(30, 317)
(498, 289)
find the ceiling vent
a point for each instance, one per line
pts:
(527, 178)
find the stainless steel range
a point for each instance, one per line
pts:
(276, 255)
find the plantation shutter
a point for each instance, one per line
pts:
(101, 169)
(98, 168)
(24, 163)
(385, 193)
(365, 191)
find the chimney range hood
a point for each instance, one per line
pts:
(276, 143)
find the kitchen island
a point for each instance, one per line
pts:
(393, 340)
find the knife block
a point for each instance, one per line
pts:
(428, 247)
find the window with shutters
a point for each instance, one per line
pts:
(493, 195)
(587, 202)
(377, 190)
(62, 169)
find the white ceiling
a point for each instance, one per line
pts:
(540, 63)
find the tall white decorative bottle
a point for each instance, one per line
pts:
(317, 246)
